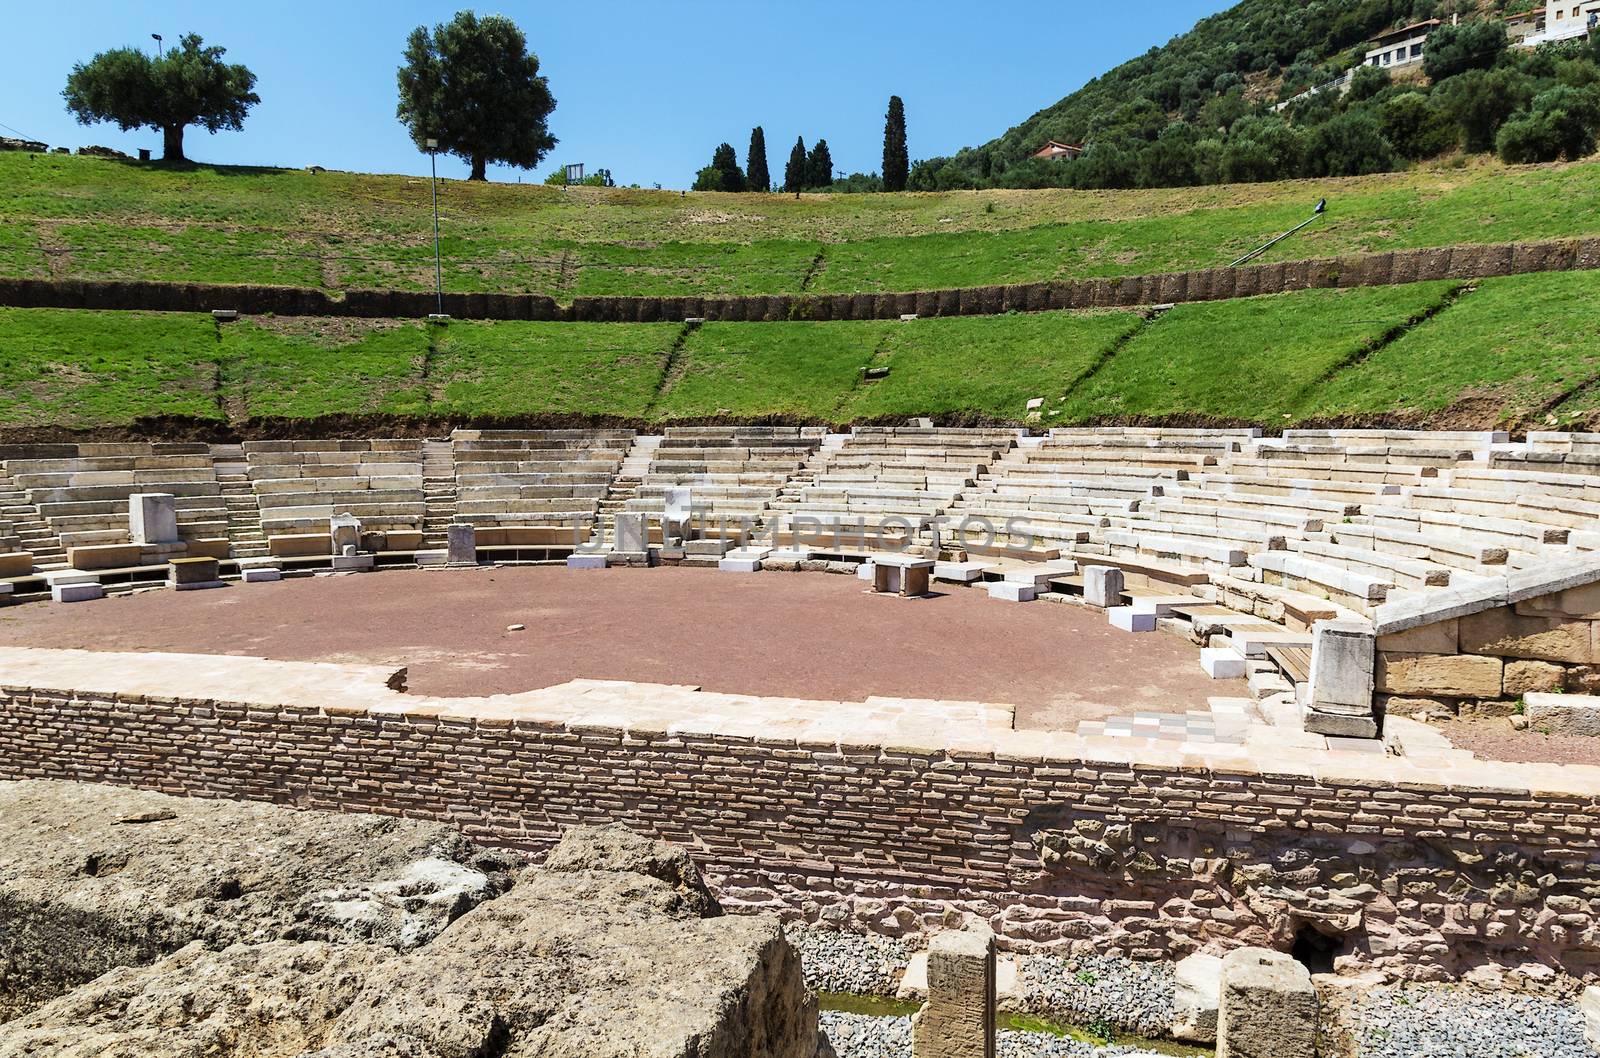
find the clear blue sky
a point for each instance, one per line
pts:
(647, 89)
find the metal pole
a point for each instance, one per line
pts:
(438, 268)
(1258, 251)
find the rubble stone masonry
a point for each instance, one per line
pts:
(1423, 868)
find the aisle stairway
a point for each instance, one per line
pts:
(438, 491)
(245, 536)
(29, 526)
(625, 485)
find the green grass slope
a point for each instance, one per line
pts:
(87, 218)
(1517, 351)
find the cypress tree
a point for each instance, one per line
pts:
(896, 162)
(794, 174)
(819, 166)
(755, 162)
(727, 163)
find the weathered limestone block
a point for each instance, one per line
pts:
(958, 1019)
(461, 545)
(1441, 637)
(1524, 676)
(1341, 667)
(1502, 633)
(189, 574)
(1564, 714)
(153, 518)
(1589, 1007)
(616, 848)
(1197, 993)
(1439, 675)
(1102, 586)
(345, 531)
(1268, 1007)
(632, 534)
(1581, 602)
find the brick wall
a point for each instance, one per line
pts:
(1152, 859)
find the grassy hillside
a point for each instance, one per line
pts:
(1519, 351)
(87, 218)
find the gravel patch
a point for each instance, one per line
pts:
(862, 964)
(863, 1036)
(1133, 996)
(1456, 1022)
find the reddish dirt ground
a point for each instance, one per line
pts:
(800, 635)
(1493, 738)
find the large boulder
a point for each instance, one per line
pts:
(598, 962)
(1268, 1006)
(102, 877)
(616, 848)
(1197, 988)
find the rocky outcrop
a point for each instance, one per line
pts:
(596, 962)
(96, 877)
(616, 848)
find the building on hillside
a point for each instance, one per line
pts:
(1524, 24)
(1052, 149)
(1566, 20)
(1400, 47)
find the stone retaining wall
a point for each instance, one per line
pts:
(1211, 284)
(1422, 868)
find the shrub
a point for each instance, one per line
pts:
(1351, 144)
(1416, 127)
(1471, 45)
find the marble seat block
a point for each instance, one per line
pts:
(153, 518)
(586, 560)
(192, 574)
(1222, 663)
(632, 534)
(958, 1020)
(903, 575)
(1102, 586)
(432, 558)
(76, 592)
(959, 572)
(1129, 619)
(261, 575)
(462, 545)
(352, 563)
(1011, 591)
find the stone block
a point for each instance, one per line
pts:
(959, 572)
(1222, 663)
(632, 533)
(432, 558)
(1341, 725)
(1503, 633)
(352, 563)
(1589, 1008)
(733, 564)
(1102, 586)
(1129, 619)
(153, 518)
(1342, 658)
(1441, 637)
(1563, 714)
(16, 564)
(461, 545)
(1524, 676)
(344, 530)
(1267, 1008)
(1439, 675)
(1011, 591)
(192, 574)
(1197, 990)
(958, 1020)
(586, 560)
(1581, 602)
(261, 575)
(76, 592)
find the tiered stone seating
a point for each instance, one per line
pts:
(535, 488)
(301, 485)
(733, 473)
(901, 478)
(81, 492)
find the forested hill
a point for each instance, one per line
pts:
(1198, 109)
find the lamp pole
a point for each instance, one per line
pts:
(438, 268)
(1322, 207)
(157, 38)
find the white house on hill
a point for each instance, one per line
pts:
(1400, 47)
(1565, 21)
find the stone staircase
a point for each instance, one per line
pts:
(245, 536)
(438, 492)
(788, 497)
(29, 526)
(625, 486)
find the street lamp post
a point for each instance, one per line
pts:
(438, 268)
(157, 38)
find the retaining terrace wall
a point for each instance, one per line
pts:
(1422, 870)
(1211, 284)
